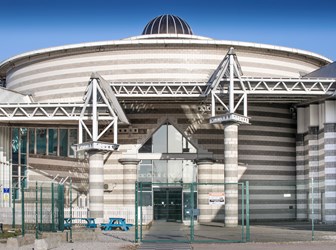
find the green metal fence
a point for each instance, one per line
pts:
(190, 212)
(38, 208)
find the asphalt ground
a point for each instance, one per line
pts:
(273, 235)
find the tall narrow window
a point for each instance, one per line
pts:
(52, 141)
(41, 141)
(63, 142)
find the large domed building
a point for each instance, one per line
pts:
(174, 108)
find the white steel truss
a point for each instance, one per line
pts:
(247, 85)
(99, 106)
(227, 87)
(230, 69)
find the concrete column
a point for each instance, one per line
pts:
(96, 185)
(130, 177)
(313, 164)
(231, 174)
(302, 171)
(301, 180)
(330, 161)
(207, 212)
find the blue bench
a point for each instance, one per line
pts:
(90, 222)
(115, 223)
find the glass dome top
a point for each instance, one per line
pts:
(167, 24)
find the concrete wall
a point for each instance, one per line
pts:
(316, 150)
(267, 147)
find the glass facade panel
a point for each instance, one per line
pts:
(52, 141)
(145, 171)
(72, 141)
(23, 153)
(63, 146)
(160, 171)
(31, 141)
(174, 171)
(15, 155)
(160, 140)
(174, 139)
(41, 141)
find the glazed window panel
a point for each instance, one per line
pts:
(145, 172)
(72, 141)
(41, 141)
(31, 141)
(160, 140)
(174, 139)
(63, 147)
(174, 171)
(159, 171)
(52, 141)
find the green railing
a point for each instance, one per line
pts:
(190, 212)
(39, 207)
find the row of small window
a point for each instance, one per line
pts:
(44, 141)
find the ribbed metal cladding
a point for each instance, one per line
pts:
(231, 174)
(96, 185)
(167, 24)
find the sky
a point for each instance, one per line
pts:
(27, 25)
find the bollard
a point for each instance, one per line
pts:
(1, 228)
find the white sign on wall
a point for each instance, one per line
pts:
(216, 198)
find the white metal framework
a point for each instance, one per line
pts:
(249, 85)
(227, 87)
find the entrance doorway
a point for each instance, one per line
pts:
(168, 204)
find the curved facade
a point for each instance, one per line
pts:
(274, 152)
(60, 74)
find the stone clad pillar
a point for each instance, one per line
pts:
(205, 175)
(330, 161)
(231, 174)
(130, 177)
(96, 183)
(301, 169)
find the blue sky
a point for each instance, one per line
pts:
(27, 25)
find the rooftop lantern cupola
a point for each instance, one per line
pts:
(167, 24)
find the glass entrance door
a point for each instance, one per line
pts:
(168, 204)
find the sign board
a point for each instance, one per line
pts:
(229, 117)
(217, 198)
(6, 194)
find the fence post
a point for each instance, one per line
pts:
(136, 212)
(13, 211)
(141, 188)
(312, 205)
(242, 209)
(247, 211)
(22, 208)
(52, 208)
(41, 209)
(70, 211)
(192, 212)
(36, 211)
(60, 204)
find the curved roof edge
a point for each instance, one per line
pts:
(97, 46)
(168, 36)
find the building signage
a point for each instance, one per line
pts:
(229, 118)
(6, 194)
(217, 198)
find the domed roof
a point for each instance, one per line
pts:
(167, 24)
